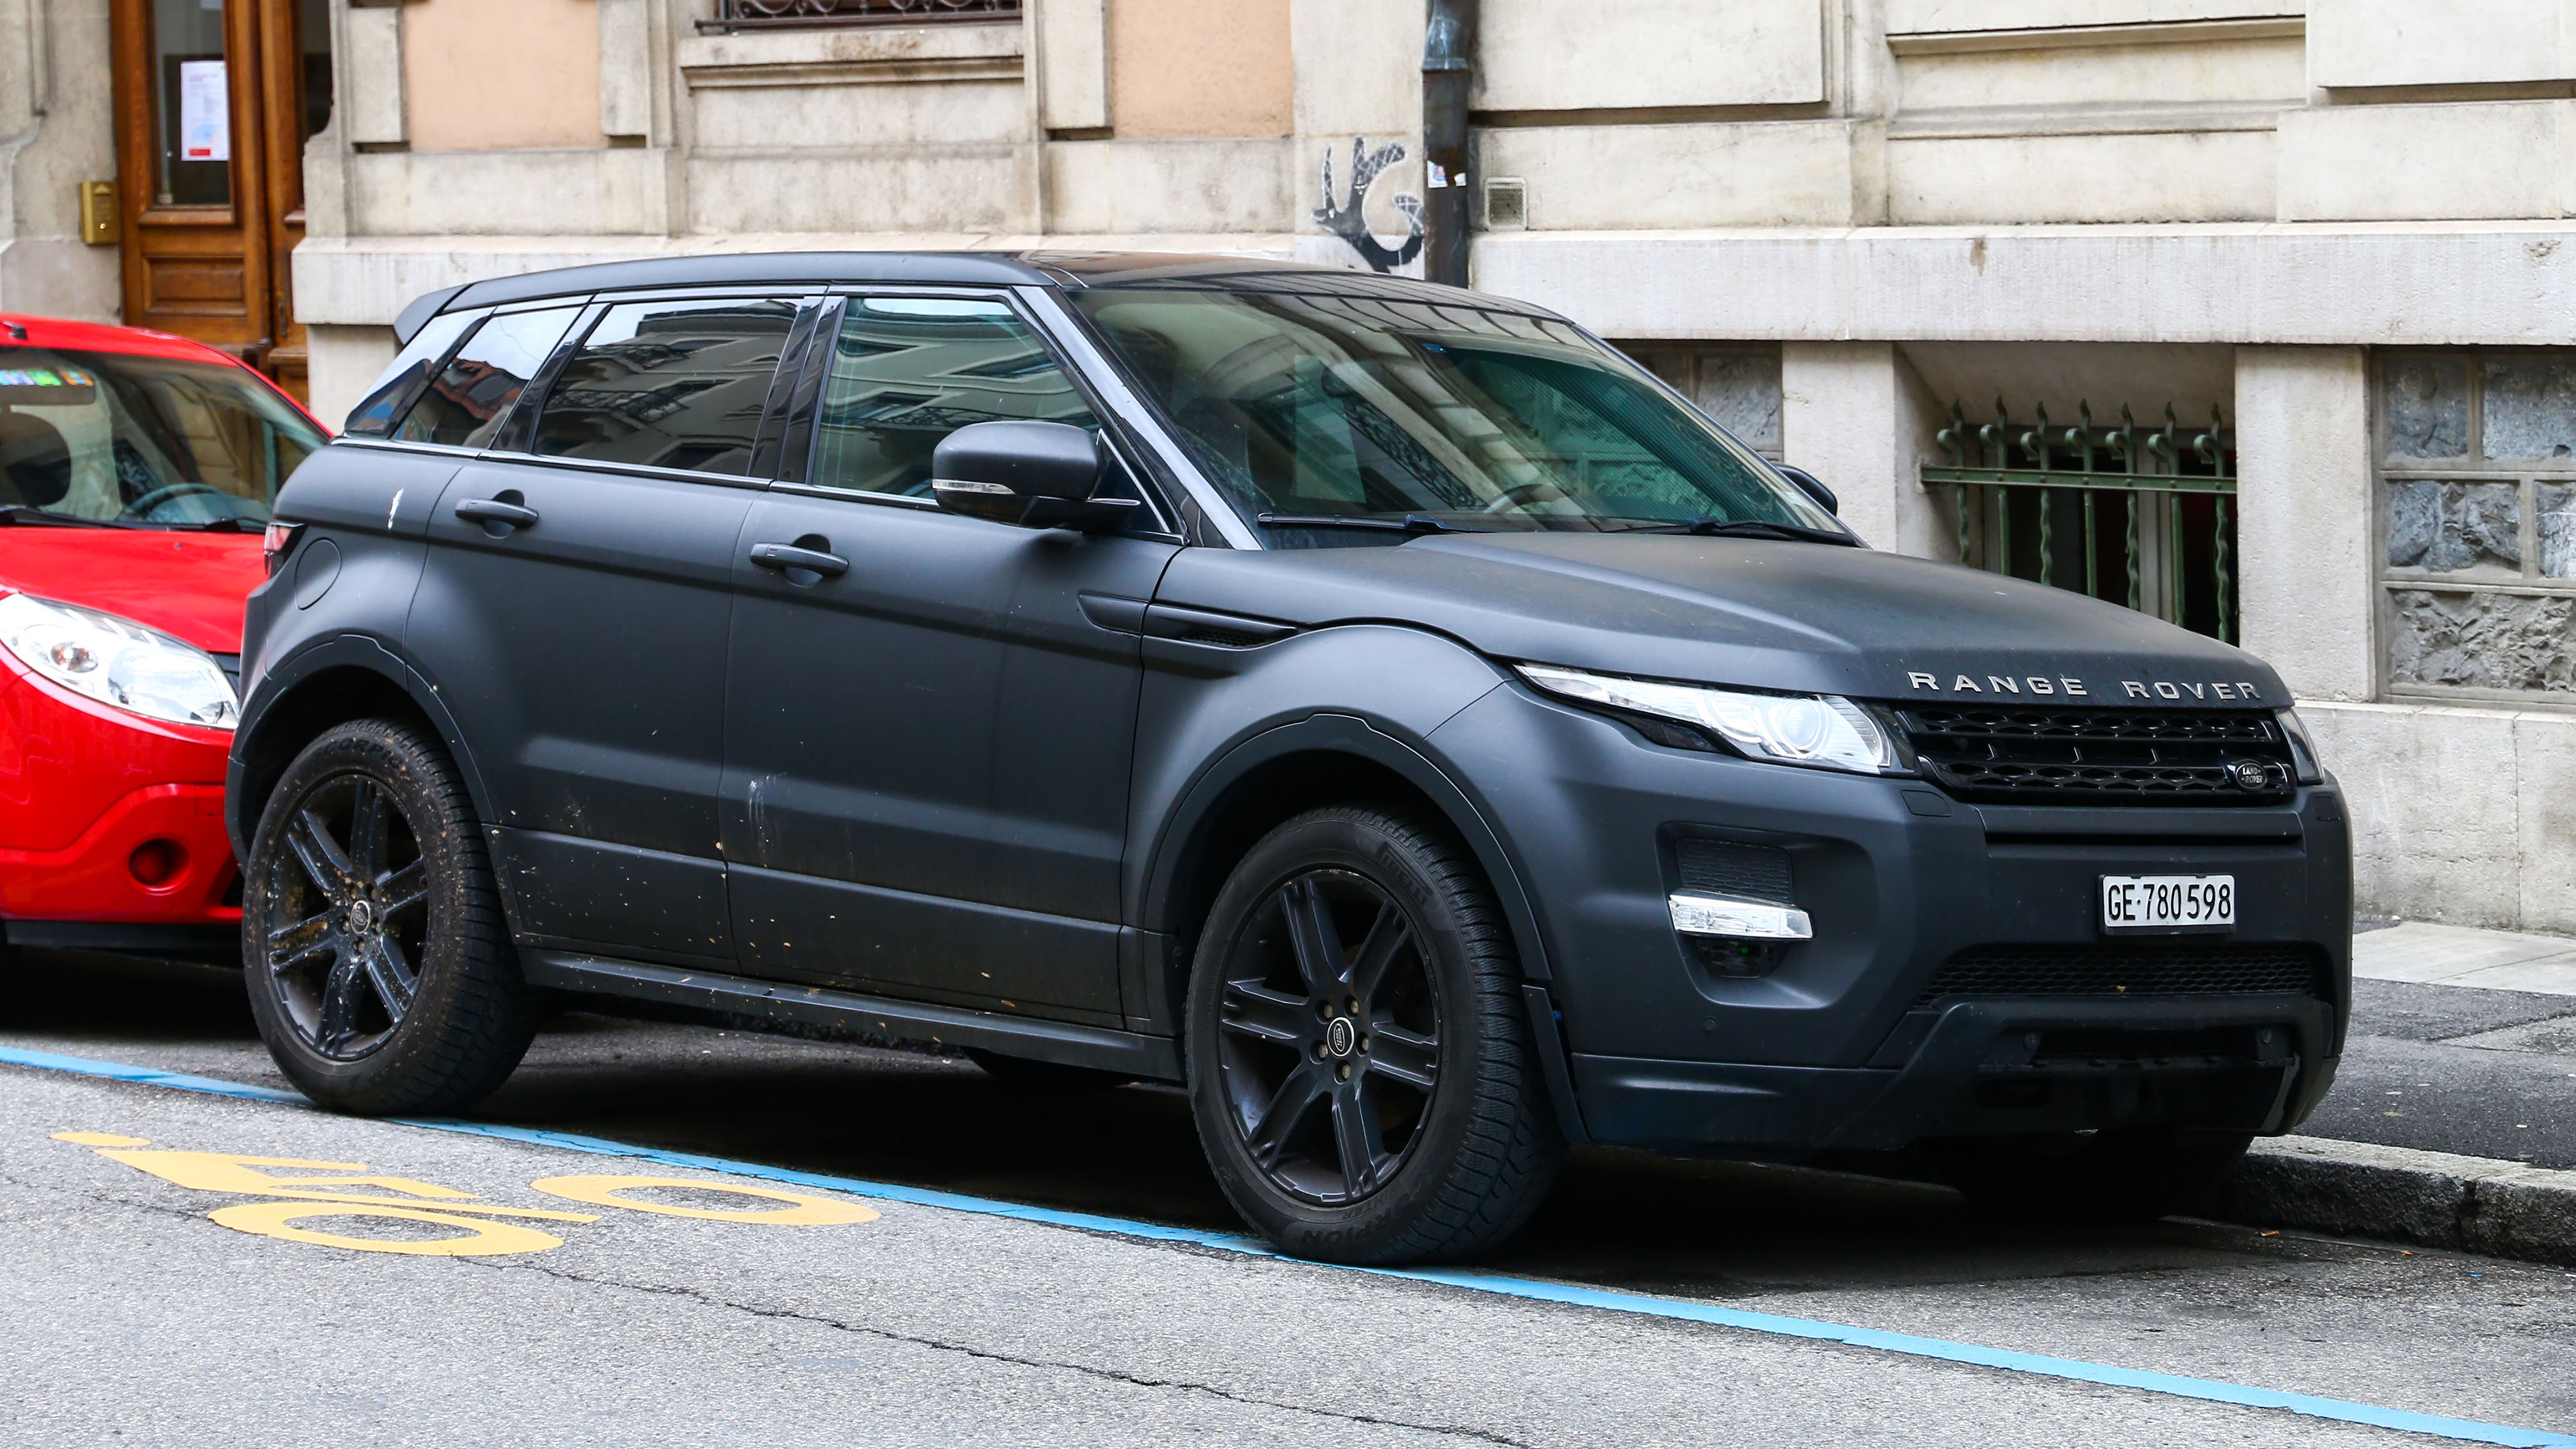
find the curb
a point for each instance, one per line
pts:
(2358, 1189)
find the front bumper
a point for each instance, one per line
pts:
(82, 788)
(1990, 1067)
(1847, 1043)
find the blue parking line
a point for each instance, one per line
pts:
(1500, 1285)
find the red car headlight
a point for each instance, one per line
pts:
(119, 662)
(277, 543)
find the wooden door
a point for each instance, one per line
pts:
(214, 100)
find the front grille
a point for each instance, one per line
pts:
(2272, 969)
(2004, 754)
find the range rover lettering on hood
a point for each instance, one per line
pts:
(2213, 690)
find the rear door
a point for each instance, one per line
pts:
(574, 615)
(927, 754)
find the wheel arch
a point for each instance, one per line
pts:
(329, 683)
(1291, 768)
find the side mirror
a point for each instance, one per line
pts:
(1809, 485)
(1037, 475)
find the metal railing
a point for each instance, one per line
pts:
(786, 14)
(2145, 517)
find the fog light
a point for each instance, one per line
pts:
(157, 862)
(1736, 938)
(1695, 914)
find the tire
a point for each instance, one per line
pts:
(2135, 1175)
(1034, 1075)
(379, 966)
(1414, 1129)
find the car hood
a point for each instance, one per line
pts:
(190, 585)
(1753, 612)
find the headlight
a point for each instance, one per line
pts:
(1793, 729)
(119, 662)
(2303, 753)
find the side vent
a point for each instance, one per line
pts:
(1207, 626)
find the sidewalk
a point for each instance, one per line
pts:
(2463, 1041)
(2431, 955)
(2456, 1098)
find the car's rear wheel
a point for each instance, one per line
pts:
(380, 970)
(2132, 1175)
(1360, 1067)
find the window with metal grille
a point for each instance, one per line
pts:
(2477, 502)
(2141, 513)
(786, 14)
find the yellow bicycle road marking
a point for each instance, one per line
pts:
(289, 1200)
(808, 1210)
(224, 1172)
(483, 1238)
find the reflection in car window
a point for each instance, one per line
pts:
(669, 385)
(908, 371)
(465, 404)
(143, 439)
(374, 416)
(1364, 408)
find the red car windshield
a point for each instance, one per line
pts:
(110, 438)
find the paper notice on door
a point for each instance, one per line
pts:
(205, 112)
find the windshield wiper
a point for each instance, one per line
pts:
(1411, 523)
(234, 524)
(1746, 528)
(22, 513)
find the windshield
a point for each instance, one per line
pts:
(117, 438)
(1337, 420)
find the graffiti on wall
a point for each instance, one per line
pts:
(1347, 217)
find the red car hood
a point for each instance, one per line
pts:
(186, 584)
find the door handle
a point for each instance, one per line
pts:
(497, 515)
(782, 558)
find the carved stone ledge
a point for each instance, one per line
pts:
(857, 55)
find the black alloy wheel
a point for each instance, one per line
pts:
(379, 965)
(1362, 1071)
(358, 904)
(1330, 1050)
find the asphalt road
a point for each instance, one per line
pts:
(136, 1318)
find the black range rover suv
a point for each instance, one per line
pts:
(1381, 708)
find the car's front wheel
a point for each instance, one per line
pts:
(1360, 1067)
(380, 971)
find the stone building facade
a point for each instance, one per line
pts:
(2256, 314)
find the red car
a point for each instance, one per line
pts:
(136, 472)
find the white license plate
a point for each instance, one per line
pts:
(2168, 902)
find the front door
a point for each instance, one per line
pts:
(214, 101)
(927, 746)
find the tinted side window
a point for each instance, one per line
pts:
(466, 402)
(403, 381)
(908, 371)
(669, 384)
